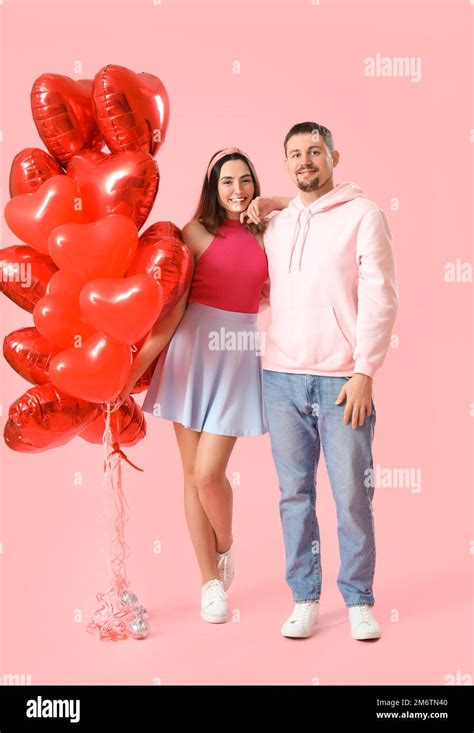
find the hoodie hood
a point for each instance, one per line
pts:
(340, 194)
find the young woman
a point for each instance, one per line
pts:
(208, 378)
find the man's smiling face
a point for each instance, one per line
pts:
(309, 161)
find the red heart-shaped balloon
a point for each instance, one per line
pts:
(124, 308)
(29, 354)
(63, 115)
(44, 418)
(132, 110)
(95, 372)
(126, 183)
(24, 274)
(127, 424)
(163, 255)
(103, 248)
(33, 216)
(58, 315)
(30, 168)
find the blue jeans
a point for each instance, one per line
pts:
(302, 417)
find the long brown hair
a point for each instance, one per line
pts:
(209, 211)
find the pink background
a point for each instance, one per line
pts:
(398, 139)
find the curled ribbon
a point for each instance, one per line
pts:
(117, 449)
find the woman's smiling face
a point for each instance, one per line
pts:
(235, 187)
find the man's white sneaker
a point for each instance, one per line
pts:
(213, 602)
(299, 625)
(225, 566)
(363, 624)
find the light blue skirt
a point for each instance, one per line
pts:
(209, 376)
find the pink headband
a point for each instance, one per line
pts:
(222, 154)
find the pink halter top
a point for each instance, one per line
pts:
(232, 271)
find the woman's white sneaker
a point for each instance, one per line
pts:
(214, 602)
(363, 624)
(226, 566)
(300, 624)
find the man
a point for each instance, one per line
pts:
(333, 300)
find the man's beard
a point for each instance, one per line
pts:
(312, 185)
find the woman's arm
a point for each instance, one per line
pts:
(264, 301)
(158, 337)
(164, 328)
(161, 331)
(280, 202)
(262, 206)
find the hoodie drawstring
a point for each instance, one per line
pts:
(305, 234)
(340, 194)
(295, 239)
(296, 234)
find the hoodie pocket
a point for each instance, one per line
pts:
(318, 343)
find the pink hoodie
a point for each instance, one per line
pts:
(333, 290)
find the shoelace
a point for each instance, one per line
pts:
(302, 611)
(214, 591)
(363, 614)
(222, 564)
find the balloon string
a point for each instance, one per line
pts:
(117, 449)
(109, 408)
(113, 617)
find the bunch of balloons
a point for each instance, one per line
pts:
(94, 285)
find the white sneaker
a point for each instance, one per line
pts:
(299, 625)
(363, 624)
(225, 566)
(213, 602)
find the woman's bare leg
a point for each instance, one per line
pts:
(214, 489)
(200, 528)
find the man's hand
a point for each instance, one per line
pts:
(358, 395)
(261, 206)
